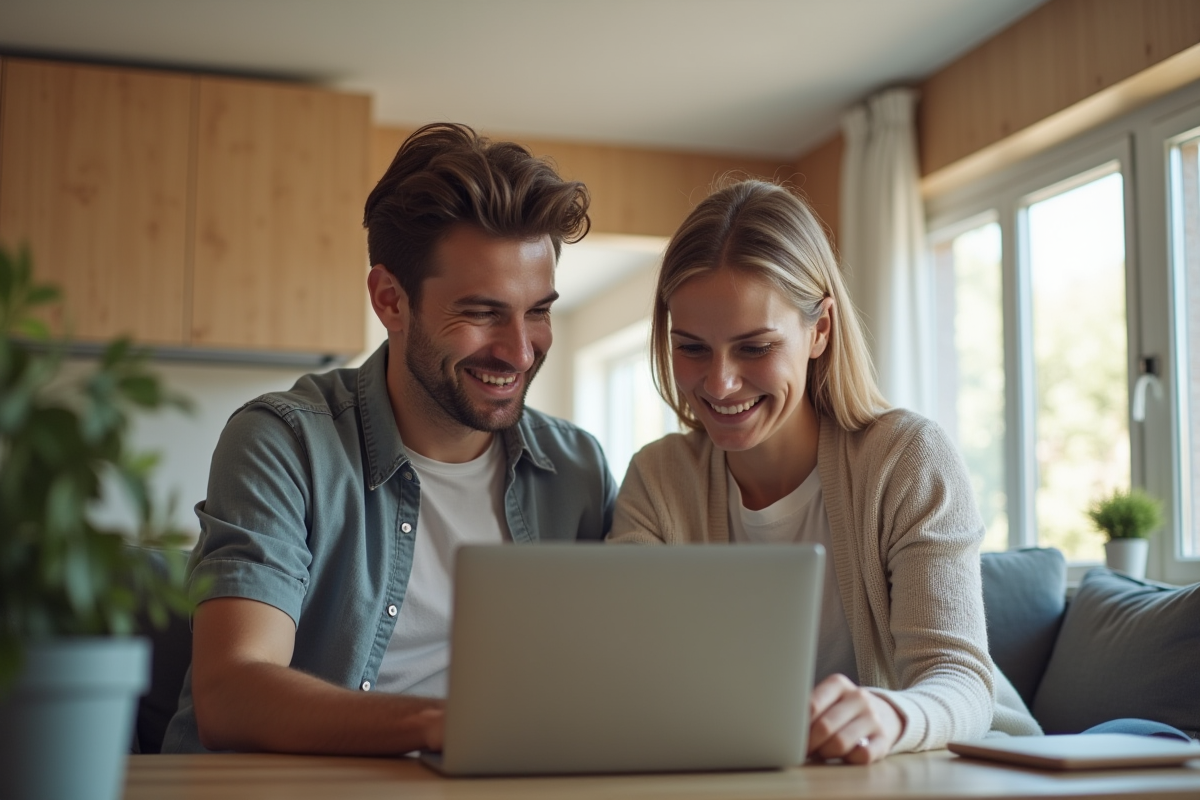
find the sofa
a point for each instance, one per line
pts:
(1121, 648)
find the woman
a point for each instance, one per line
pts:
(756, 347)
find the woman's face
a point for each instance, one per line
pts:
(740, 354)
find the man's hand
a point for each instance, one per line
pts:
(848, 722)
(247, 697)
(433, 725)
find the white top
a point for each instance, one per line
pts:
(460, 504)
(801, 517)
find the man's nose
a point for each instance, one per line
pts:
(514, 346)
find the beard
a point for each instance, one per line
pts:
(442, 382)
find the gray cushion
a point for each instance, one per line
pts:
(1023, 599)
(1127, 648)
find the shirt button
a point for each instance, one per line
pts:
(408, 476)
(366, 686)
(392, 611)
(406, 528)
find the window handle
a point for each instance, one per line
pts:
(1148, 379)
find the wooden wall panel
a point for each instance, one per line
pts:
(94, 179)
(1058, 55)
(819, 176)
(634, 190)
(280, 255)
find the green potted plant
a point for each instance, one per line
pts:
(1126, 518)
(71, 589)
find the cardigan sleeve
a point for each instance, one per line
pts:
(636, 520)
(930, 533)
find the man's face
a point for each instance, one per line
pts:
(482, 328)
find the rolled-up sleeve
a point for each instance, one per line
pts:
(255, 521)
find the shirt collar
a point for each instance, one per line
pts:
(520, 441)
(381, 437)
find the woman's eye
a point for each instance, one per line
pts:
(690, 349)
(756, 349)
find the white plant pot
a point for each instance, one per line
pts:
(1128, 556)
(67, 723)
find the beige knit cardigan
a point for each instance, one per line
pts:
(906, 537)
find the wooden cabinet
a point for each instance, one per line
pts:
(212, 214)
(279, 205)
(94, 177)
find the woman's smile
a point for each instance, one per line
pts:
(740, 357)
(735, 409)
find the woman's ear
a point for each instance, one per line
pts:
(388, 298)
(822, 329)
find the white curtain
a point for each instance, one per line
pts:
(882, 243)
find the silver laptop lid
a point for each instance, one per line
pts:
(570, 658)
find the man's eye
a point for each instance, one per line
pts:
(481, 315)
(540, 313)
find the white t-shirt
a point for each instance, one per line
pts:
(801, 517)
(460, 504)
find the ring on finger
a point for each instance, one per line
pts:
(863, 743)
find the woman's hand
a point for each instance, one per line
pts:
(848, 722)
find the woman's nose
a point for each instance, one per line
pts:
(722, 379)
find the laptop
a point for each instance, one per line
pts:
(592, 658)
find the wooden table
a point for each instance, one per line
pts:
(936, 775)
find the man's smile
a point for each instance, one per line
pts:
(493, 378)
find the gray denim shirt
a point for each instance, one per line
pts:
(313, 508)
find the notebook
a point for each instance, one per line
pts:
(578, 658)
(1081, 751)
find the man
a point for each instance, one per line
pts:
(334, 509)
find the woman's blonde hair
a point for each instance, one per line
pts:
(764, 230)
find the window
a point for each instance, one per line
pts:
(1068, 336)
(1185, 256)
(1075, 247)
(970, 341)
(1068, 313)
(615, 398)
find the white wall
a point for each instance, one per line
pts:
(185, 442)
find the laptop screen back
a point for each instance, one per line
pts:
(592, 658)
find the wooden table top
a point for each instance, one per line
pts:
(937, 774)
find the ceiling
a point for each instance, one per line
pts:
(757, 77)
(767, 78)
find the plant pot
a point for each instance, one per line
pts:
(1127, 555)
(66, 724)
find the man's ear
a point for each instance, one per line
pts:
(388, 298)
(822, 329)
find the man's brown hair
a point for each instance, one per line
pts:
(444, 175)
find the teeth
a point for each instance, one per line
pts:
(496, 380)
(739, 408)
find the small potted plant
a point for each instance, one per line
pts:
(1126, 518)
(70, 589)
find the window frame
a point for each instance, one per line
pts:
(1165, 431)
(1140, 142)
(1008, 194)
